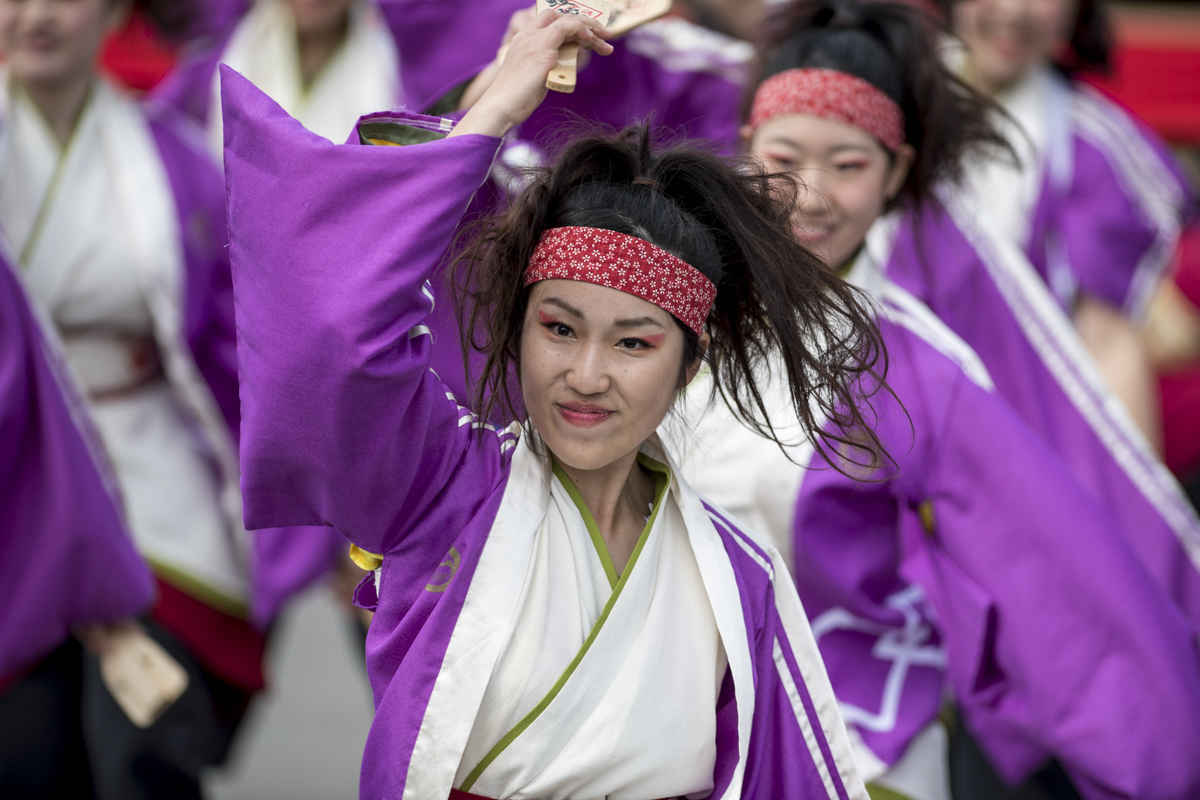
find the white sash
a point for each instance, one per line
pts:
(361, 77)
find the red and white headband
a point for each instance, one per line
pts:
(625, 263)
(830, 94)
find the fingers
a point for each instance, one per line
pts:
(562, 28)
(519, 21)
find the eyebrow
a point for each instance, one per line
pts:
(634, 322)
(861, 148)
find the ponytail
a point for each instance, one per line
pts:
(729, 221)
(896, 48)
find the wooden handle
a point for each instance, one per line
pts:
(562, 77)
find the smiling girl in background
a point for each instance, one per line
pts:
(1096, 201)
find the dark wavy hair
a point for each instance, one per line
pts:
(175, 20)
(1091, 40)
(728, 219)
(894, 47)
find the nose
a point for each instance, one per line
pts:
(33, 11)
(812, 200)
(588, 373)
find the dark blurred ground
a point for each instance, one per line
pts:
(304, 738)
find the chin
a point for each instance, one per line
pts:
(590, 451)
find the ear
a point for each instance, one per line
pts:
(902, 161)
(693, 369)
(745, 134)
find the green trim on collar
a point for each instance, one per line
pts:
(877, 792)
(663, 477)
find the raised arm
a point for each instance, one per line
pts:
(342, 422)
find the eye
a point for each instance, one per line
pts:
(850, 167)
(634, 343)
(783, 162)
(557, 327)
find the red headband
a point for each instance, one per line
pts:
(625, 263)
(833, 95)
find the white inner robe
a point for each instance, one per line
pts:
(108, 220)
(361, 77)
(606, 733)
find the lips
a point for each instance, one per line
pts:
(812, 234)
(583, 415)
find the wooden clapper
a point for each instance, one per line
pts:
(619, 16)
(141, 676)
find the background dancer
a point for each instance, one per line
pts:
(116, 218)
(919, 581)
(1096, 201)
(934, 245)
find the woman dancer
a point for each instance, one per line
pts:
(116, 218)
(975, 563)
(934, 246)
(558, 615)
(66, 561)
(1096, 201)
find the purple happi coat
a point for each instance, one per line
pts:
(986, 292)
(65, 557)
(978, 565)
(1111, 205)
(277, 572)
(344, 424)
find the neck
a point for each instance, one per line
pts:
(990, 87)
(317, 47)
(60, 103)
(618, 497)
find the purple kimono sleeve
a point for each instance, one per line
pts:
(286, 560)
(1057, 640)
(332, 247)
(1081, 649)
(65, 558)
(970, 289)
(208, 287)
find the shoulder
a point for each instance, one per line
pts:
(753, 558)
(905, 317)
(1135, 154)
